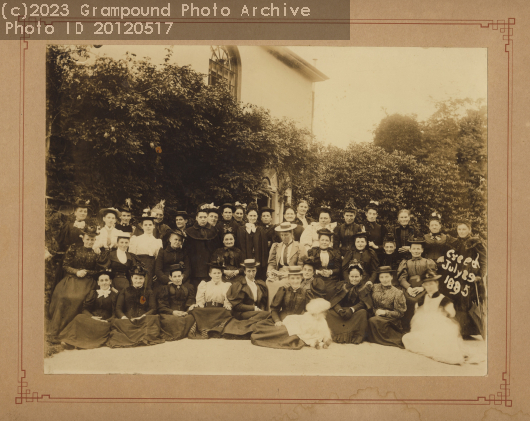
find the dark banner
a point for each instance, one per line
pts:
(162, 20)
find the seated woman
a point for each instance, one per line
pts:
(136, 322)
(120, 262)
(290, 299)
(364, 254)
(389, 307)
(229, 257)
(348, 317)
(327, 263)
(173, 301)
(91, 328)
(212, 309)
(436, 243)
(249, 298)
(308, 274)
(172, 254)
(80, 266)
(310, 237)
(435, 333)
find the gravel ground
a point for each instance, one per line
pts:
(241, 357)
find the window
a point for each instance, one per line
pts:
(224, 66)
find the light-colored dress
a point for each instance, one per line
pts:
(106, 238)
(434, 331)
(209, 292)
(309, 237)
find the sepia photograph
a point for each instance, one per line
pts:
(266, 210)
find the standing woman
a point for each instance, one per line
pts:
(265, 221)
(91, 328)
(343, 239)
(389, 307)
(402, 232)
(436, 242)
(71, 233)
(376, 232)
(135, 323)
(226, 221)
(252, 241)
(174, 253)
(363, 254)
(301, 214)
(310, 237)
(120, 262)
(239, 213)
(80, 266)
(107, 238)
(289, 215)
(125, 224)
(229, 257)
(181, 220)
(327, 264)
(146, 248)
(202, 241)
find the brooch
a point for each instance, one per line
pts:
(142, 300)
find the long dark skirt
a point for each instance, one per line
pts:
(120, 282)
(209, 322)
(268, 335)
(243, 327)
(67, 301)
(385, 331)
(149, 262)
(174, 328)
(347, 331)
(144, 331)
(86, 332)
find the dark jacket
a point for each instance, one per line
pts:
(171, 298)
(135, 302)
(167, 257)
(343, 239)
(202, 242)
(240, 296)
(103, 307)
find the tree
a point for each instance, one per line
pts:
(399, 132)
(131, 128)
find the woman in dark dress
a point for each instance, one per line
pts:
(120, 262)
(226, 220)
(362, 253)
(436, 243)
(211, 310)
(327, 264)
(343, 235)
(174, 253)
(135, 323)
(91, 328)
(249, 299)
(251, 239)
(125, 224)
(174, 299)
(290, 299)
(80, 266)
(389, 307)
(402, 232)
(239, 213)
(391, 258)
(202, 240)
(229, 257)
(265, 221)
(376, 232)
(71, 233)
(348, 317)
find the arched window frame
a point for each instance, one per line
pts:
(225, 63)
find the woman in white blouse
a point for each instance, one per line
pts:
(146, 247)
(309, 237)
(108, 235)
(212, 308)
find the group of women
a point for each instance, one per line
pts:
(234, 274)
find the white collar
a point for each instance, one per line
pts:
(103, 293)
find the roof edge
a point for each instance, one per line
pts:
(296, 62)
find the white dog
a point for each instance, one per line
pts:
(311, 327)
